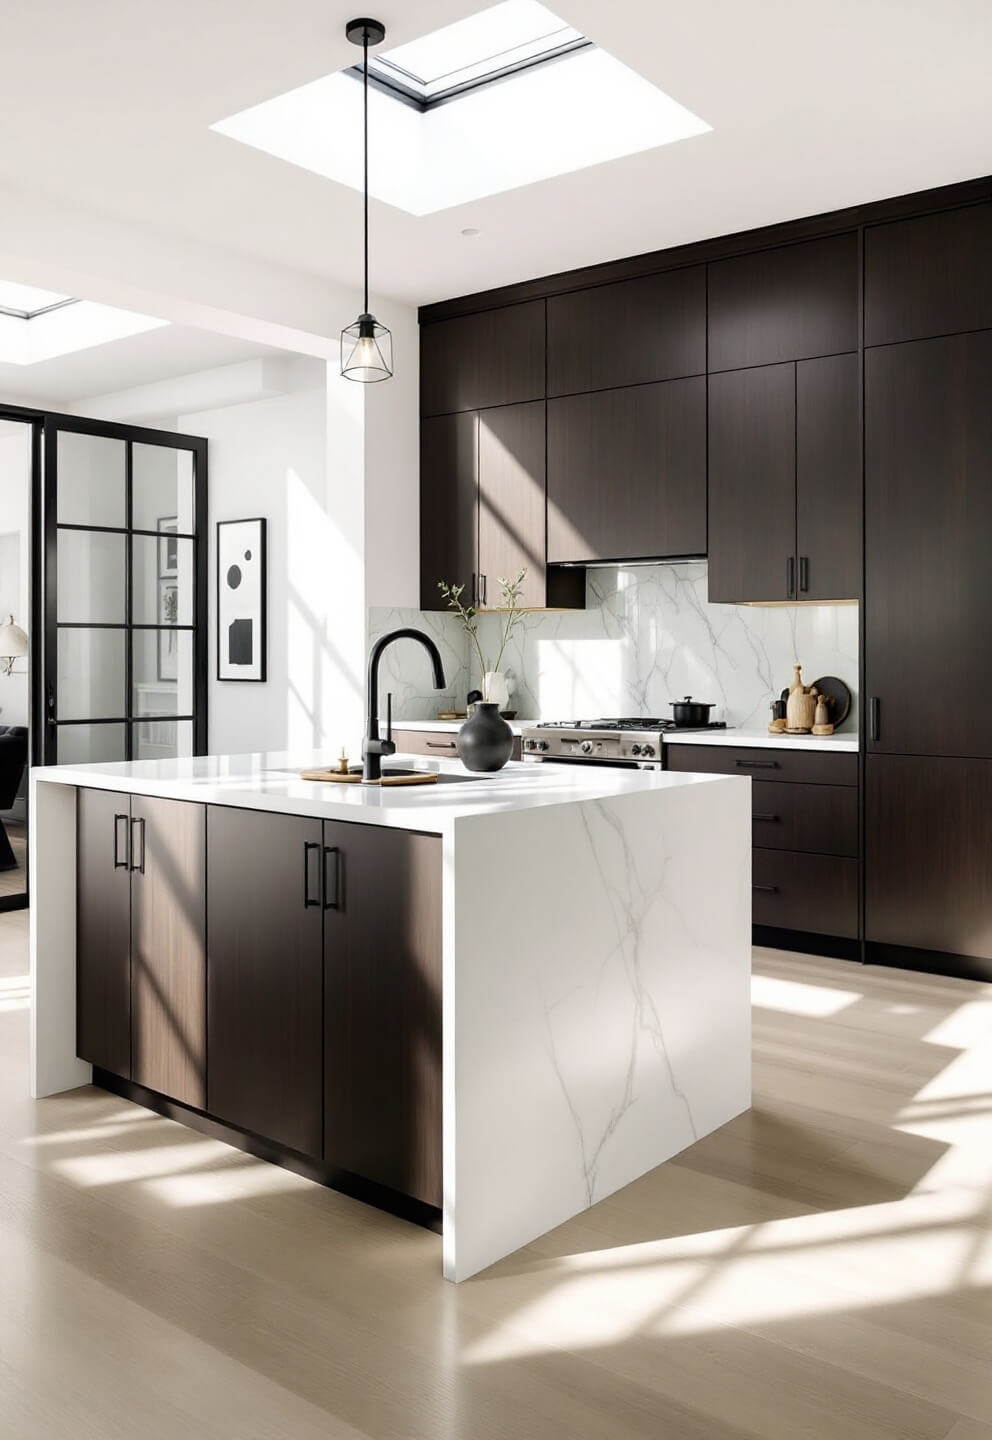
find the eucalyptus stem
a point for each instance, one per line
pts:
(510, 592)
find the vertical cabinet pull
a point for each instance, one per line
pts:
(790, 576)
(875, 729)
(311, 895)
(804, 573)
(138, 864)
(119, 863)
(332, 877)
(475, 588)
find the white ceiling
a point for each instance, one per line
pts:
(122, 365)
(108, 105)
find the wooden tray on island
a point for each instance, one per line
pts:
(354, 777)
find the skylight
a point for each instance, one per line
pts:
(541, 121)
(26, 301)
(38, 325)
(495, 43)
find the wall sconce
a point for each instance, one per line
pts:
(13, 644)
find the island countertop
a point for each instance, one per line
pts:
(271, 781)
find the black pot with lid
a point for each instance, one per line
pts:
(690, 714)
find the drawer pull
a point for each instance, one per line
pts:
(766, 889)
(441, 745)
(756, 764)
(770, 818)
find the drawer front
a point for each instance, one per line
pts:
(820, 819)
(438, 743)
(818, 893)
(808, 767)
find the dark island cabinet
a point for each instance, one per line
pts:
(265, 975)
(928, 871)
(103, 930)
(929, 275)
(627, 473)
(928, 516)
(785, 482)
(382, 1007)
(493, 357)
(628, 333)
(792, 302)
(140, 955)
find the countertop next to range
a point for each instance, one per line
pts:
(848, 741)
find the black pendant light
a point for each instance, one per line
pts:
(366, 346)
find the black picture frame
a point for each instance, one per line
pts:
(259, 540)
(168, 546)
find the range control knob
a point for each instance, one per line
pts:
(586, 747)
(542, 745)
(647, 750)
(635, 749)
(530, 744)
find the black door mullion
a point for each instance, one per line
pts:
(129, 599)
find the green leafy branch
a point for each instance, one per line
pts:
(511, 592)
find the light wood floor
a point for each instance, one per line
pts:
(819, 1268)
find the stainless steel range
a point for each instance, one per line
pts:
(632, 741)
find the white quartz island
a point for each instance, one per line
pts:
(595, 964)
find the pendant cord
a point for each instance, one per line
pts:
(365, 50)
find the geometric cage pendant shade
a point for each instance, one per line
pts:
(366, 350)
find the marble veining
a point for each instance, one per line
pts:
(648, 636)
(406, 670)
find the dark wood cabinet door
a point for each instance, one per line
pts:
(627, 473)
(790, 303)
(512, 501)
(382, 997)
(265, 975)
(928, 516)
(928, 853)
(929, 275)
(449, 505)
(103, 930)
(828, 478)
(752, 484)
(630, 333)
(495, 357)
(168, 952)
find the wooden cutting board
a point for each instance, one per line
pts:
(422, 777)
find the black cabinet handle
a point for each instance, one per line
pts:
(332, 883)
(765, 817)
(790, 576)
(804, 573)
(756, 764)
(475, 588)
(483, 589)
(120, 864)
(140, 864)
(874, 725)
(766, 889)
(310, 901)
(441, 745)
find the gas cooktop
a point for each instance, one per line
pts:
(629, 740)
(632, 722)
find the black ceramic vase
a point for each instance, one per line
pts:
(485, 741)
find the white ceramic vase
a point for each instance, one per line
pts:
(496, 688)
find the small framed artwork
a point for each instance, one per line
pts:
(241, 618)
(168, 614)
(168, 547)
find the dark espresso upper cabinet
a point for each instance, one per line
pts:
(928, 276)
(495, 357)
(828, 478)
(752, 489)
(928, 519)
(651, 328)
(449, 505)
(627, 473)
(791, 303)
(512, 501)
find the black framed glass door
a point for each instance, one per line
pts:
(125, 592)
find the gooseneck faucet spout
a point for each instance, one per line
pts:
(373, 747)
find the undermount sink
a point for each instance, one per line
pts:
(443, 777)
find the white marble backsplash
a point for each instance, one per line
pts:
(648, 636)
(406, 668)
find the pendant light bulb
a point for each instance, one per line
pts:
(366, 346)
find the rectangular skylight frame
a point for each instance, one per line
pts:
(16, 314)
(394, 81)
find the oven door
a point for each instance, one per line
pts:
(607, 762)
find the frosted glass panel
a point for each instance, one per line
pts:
(91, 674)
(163, 672)
(91, 577)
(162, 494)
(161, 580)
(82, 744)
(162, 739)
(92, 480)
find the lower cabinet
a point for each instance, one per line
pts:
(140, 957)
(928, 861)
(264, 975)
(438, 743)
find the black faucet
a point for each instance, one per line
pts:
(373, 748)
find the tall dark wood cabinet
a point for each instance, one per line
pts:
(929, 275)
(627, 473)
(829, 487)
(928, 516)
(512, 501)
(492, 357)
(449, 505)
(103, 930)
(265, 975)
(168, 949)
(382, 1007)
